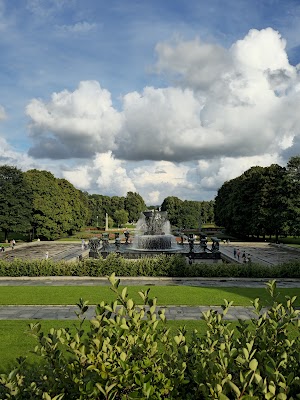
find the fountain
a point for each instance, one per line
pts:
(153, 233)
(153, 236)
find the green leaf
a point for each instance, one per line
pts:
(124, 293)
(234, 388)
(253, 364)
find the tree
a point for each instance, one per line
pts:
(116, 203)
(15, 200)
(75, 211)
(293, 179)
(51, 214)
(121, 217)
(256, 203)
(134, 205)
(172, 206)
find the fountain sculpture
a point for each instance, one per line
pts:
(153, 236)
(153, 233)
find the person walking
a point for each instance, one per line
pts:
(238, 253)
(234, 252)
(244, 256)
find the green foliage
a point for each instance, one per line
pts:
(262, 201)
(121, 217)
(58, 208)
(161, 265)
(188, 214)
(15, 200)
(134, 205)
(127, 352)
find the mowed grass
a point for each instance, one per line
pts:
(166, 295)
(16, 340)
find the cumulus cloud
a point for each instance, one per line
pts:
(105, 175)
(162, 124)
(9, 156)
(224, 111)
(193, 63)
(73, 124)
(215, 172)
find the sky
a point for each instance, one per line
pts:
(159, 97)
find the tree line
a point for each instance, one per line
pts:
(262, 201)
(188, 214)
(41, 205)
(37, 203)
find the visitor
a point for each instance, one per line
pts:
(238, 253)
(46, 255)
(13, 243)
(82, 244)
(244, 256)
(2, 248)
(234, 252)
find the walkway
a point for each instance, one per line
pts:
(68, 312)
(260, 252)
(60, 312)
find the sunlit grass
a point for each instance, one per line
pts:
(167, 295)
(16, 340)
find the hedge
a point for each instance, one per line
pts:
(162, 265)
(127, 352)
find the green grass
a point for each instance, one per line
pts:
(167, 295)
(16, 340)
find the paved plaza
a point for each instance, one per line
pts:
(37, 251)
(259, 252)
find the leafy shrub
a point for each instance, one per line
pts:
(161, 265)
(128, 353)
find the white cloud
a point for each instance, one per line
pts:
(74, 124)
(261, 50)
(249, 105)
(227, 168)
(228, 109)
(104, 175)
(192, 63)
(9, 156)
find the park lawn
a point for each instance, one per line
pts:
(16, 340)
(166, 295)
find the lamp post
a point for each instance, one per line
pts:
(97, 221)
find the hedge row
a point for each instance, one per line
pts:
(127, 352)
(162, 265)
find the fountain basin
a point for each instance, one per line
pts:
(155, 243)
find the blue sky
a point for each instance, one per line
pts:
(162, 97)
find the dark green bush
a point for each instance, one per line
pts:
(161, 265)
(127, 352)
